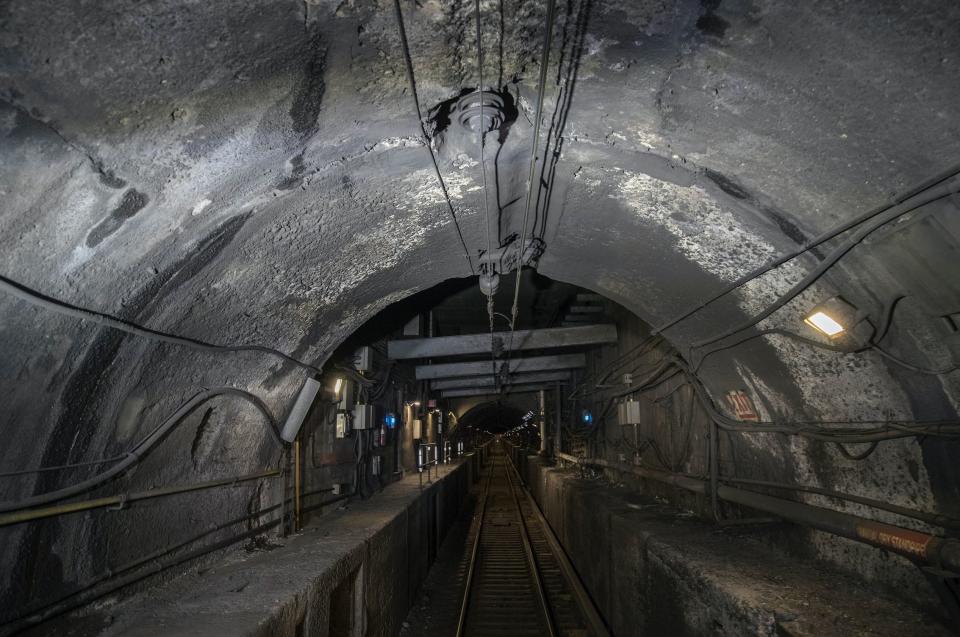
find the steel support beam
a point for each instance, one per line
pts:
(490, 381)
(516, 366)
(490, 391)
(483, 343)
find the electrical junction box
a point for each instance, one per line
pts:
(628, 412)
(363, 359)
(346, 395)
(341, 425)
(417, 429)
(364, 416)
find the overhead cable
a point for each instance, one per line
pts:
(811, 277)
(139, 450)
(35, 298)
(811, 244)
(423, 129)
(534, 146)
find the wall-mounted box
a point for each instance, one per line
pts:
(341, 425)
(628, 412)
(364, 416)
(417, 429)
(363, 359)
(346, 395)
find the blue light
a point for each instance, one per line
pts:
(587, 416)
(390, 420)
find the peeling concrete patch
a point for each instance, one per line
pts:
(706, 234)
(200, 207)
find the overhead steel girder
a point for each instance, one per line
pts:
(490, 381)
(489, 391)
(516, 366)
(485, 343)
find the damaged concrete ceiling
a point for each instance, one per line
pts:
(254, 172)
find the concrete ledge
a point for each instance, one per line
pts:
(655, 570)
(354, 572)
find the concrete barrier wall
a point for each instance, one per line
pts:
(653, 569)
(355, 572)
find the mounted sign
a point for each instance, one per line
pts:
(742, 406)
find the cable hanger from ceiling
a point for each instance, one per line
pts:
(490, 290)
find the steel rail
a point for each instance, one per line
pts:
(471, 569)
(597, 626)
(532, 561)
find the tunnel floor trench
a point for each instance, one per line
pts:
(498, 573)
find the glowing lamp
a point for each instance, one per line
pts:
(823, 322)
(833, 318)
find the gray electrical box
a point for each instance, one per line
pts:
(364, 417)
(346, 396)
(628, 412)
(363, 359)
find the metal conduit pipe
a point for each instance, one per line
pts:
(151, 564)
(143, 447)
(916, 545)
(26, 515)
(933, 519)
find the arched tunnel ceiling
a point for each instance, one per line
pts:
(253, 172)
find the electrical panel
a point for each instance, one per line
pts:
(341, 425)
(417, 429)
(364, 416)
(363, 359)
(346, 395)
(628, 412)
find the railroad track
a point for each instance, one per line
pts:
(518, 581)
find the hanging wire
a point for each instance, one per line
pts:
(423, 129)
(535, 144)
(481, 133)
(41, 300)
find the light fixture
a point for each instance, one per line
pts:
(825, 323)
(298, 413)
(337, 386)
(834, 317)
(587, 416)
(390, 420)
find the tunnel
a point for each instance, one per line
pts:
(513, 317)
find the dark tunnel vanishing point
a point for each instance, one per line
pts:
(498, 317)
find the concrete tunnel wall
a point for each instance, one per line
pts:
(254, 173)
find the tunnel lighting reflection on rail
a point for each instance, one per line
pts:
(824, 323)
